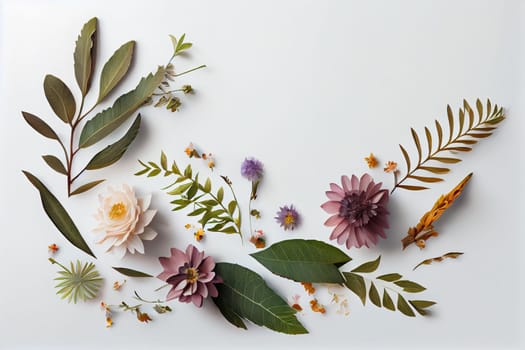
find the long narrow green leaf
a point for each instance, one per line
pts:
(304, 260)
(58, 215)
(369, 266)
(86, 187)
(115, 69)
(245, 294)
(84, 55)
(60, 98)
(115, 151)
(111, 118)
(130, 272)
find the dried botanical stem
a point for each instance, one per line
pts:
(481, 129)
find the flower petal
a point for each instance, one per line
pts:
(334, 220)
(331, 207)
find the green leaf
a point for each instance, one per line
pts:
(403, 306)
(154, 172)
(209, 202)
(229, 314)
(194, 188)
(60, 98)
(229, 230)
(421, 305)
(409, 286)
(115, 69)
(391, 277)
(55, 164)
(369, 266)
(304, 261)
(40, 126)
(180, 189)
(220, 194)
(245, 294)
(387, 301)
(115, 151)
(163, 160)
(86, 187)
(207, 185)
(130, 272)
(188, 172)
(111, 118)
(58, 215)
(197, 212)
(373, 294)
(231, 207)
(356, 284)
(84, 55)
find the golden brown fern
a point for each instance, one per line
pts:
(466, 136)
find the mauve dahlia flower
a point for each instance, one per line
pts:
(191, 275)
(359, 211)
(252, 169)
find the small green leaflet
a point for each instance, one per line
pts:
(40, 126)
(304, 261)
(244, 295)
(58, 215)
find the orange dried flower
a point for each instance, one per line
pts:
(371, 160)
(143, 317)
(187, 226)
(316, 307)
(199, 234)
(53, 248)
(308, 287)
(390, 166)
(109, 322)
(258, 239)
(425, 229)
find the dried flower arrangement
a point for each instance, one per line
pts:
(358, 207)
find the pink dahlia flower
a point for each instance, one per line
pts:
(191, 275)
(359, 211)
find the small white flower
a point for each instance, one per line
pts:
(122, 219)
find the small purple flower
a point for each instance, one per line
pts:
(252, 169)
(190, 274)
(287, 217)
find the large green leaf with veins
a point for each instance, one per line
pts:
(244, 295)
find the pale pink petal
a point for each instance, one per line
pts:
(347, 186)
(355, 183)
(337, 188)
(331, 207)
(334, 220)
(148, 234)
(339, 229)
(335, 196)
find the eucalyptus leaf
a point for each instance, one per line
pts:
(130, 272)
(86, 187)
(60, 98)
(115, 69)
(111, 118)
(304, 260)
(84, 55)
(387, 301)
(245, 294)
(40, 126)
(369, 266)
(356, 284)
(403, 306)
(55, 164)
(58, 215)
(115, 151)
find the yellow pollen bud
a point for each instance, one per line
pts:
(288, 219)
(118, 210)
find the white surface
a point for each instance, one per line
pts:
(309, 88)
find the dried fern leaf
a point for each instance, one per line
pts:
(464, 132)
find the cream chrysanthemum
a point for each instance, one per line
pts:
(122, 221)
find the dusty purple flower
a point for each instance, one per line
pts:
(191, 275)
(359, 211)
(252, 169)
(287, 217)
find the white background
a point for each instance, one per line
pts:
(310, 88)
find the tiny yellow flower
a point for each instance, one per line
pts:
(187, 226)
(199, 234)
(109, 322)
(371, 161)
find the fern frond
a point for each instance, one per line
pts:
(468, 131)
(78, 282)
